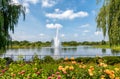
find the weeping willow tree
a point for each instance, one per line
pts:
(9, 15)
(108, 20)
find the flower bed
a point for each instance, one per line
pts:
(66, 69)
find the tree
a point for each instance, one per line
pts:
(108, 20)
(9, 15)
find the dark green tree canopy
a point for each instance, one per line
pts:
(9, 15)
(108, 20)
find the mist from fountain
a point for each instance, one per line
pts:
(56, 41)
(56, 45)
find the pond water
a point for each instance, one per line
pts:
(79, 51)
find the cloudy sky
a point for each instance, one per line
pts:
(74, 18)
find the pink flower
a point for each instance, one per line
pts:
(59, 77)
(57, 73)
(49, 77)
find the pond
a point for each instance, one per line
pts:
(79, 51)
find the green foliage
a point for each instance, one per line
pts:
(48, 59)
(86, 59)
(36, 59)
(2, 62)
(112, 60)
(108, 21)
(9, 15)
(8, 60)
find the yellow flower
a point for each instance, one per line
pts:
(66, 67)
(80, 66)
(71, 68)
(91, 74)
(60, 67)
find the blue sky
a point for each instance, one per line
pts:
(74, 18)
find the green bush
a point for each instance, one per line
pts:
(8, 60)
(48, 59)
(86, 59)
(2, 62)
(111, 60)
(36, 59)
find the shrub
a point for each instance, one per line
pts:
(111, 60)
(8, 60)
(48, 59)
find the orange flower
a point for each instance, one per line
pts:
(60, 67)
(71, 68)
(91, 68)
(72, 58)
(66, 58)
(102, 76)
(112, 76)
(117, 77)
(73, 62)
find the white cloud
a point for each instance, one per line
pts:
(98, 33)
(62, 35)
(52, 26)
(85, 25)
(41, 35)
(48, 3)
(86, 31)
(68, 14)
(57, 10)
(32, 1)
(25, 3)
(75, 35)
(15, 1)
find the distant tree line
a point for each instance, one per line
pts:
(75, 43)
(27, 44)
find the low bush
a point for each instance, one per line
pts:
(48, 59)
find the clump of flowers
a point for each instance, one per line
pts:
(72, 58)
(60, 67)
(66, 59)
(110, 73)
(82, 66)
(103, 64)
(90, 70)
(74, 62)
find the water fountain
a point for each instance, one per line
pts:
(56, 42)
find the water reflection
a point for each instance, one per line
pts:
(56, 53)
(62, 52)
(103, 50)
(115, 52)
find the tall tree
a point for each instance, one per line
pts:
(108, 20)
(9, 15)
